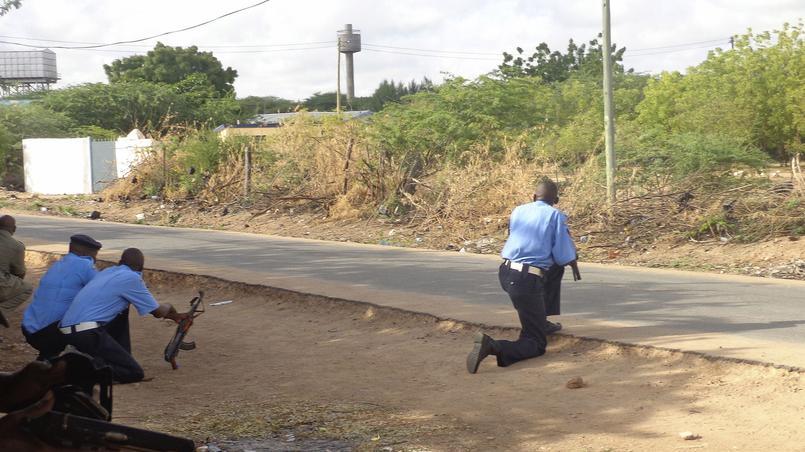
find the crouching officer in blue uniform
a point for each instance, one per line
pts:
(56, 291)
(97, 323)
(538, 248)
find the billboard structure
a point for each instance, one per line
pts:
(27, 71)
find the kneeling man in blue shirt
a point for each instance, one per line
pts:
(537, 250)
(97, 323)
(56, 291)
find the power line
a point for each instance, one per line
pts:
(222, 52)
(432, 56)
(433, 50)
(628, 55)
(681, 45)
(95, 46)
(149, 46)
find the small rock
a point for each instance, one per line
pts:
(575, 383)
(462, 250)
(689, 436)
(154, 197)
(584, 239)
(392, 232)
(94, 215)
(43, 209)
(418, 240)
(139, 217)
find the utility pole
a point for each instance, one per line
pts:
(338, 81)
(609, 113)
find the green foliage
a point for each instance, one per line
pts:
(254, 105)
(555, 66)
(389, 91)
(7, 5)
(754, 93)
(172, 65)
(26, 121)
(151, 107)
(682, 154)
(95, 132)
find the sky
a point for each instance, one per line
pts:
(286, 48)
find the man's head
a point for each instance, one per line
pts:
(8, 223)
(547, 191)
(133, 258)
(84, 245)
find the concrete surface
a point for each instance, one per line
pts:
(732, 316)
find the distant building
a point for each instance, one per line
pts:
(265, 124)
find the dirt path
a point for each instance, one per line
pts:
(297, 368)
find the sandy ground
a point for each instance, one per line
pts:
(307, 373)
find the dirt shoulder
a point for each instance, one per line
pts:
(776, 258)
(274, 367)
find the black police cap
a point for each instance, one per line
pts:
(85, 240)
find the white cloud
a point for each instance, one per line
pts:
(468, 25)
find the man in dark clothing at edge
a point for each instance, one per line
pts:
(537, 250)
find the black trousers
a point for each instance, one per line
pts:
(48, 341)
(553, 289)
(534, 298)
(111, 344)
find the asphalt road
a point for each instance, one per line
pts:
(740, 317)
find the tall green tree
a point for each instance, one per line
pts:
(555, 66)
(390, 91)
(165, 64)
(151, 107)
(753, 93)
(256, 105)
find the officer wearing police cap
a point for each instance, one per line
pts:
(57, 288)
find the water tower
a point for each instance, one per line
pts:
(24, 72)
(349, 42)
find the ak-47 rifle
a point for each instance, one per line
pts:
(178, 343)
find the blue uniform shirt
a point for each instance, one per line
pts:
(539, 237)
(109, 294)
(56, 291)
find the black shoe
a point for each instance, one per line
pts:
(484, 346)
(551, 327)
(3, 320)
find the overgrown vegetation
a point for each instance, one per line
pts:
(696, 150)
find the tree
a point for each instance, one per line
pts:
(165, 64)
(555, 66)
(26, 121)
(253, 105)
(7, 5)
(151, 107)
(389, 91)
(752, 93)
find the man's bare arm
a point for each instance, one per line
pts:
(167, 311)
